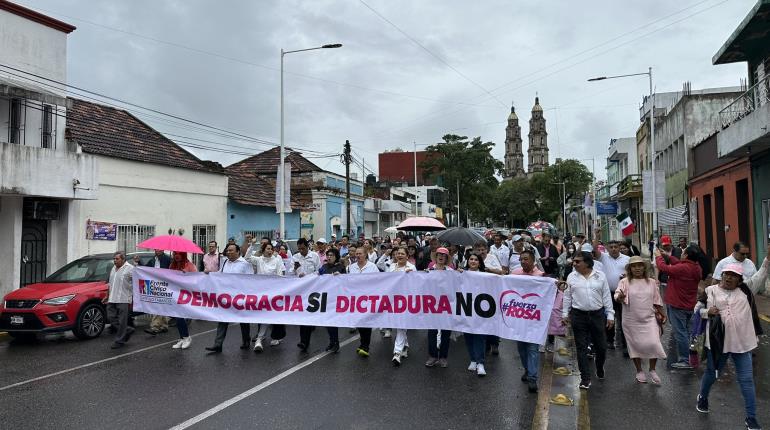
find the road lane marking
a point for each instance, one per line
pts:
(227, 403)
(83, 366)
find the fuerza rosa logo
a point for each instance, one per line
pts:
(153, 291)
(515, 306)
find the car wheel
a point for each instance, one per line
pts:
(23, 336)
(90, 322)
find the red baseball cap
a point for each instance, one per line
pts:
(665, 240)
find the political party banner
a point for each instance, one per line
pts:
(512, 307)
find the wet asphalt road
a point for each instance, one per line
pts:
(150, 386)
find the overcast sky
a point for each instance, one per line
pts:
(217, 62)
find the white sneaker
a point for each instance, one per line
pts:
(473, 366)
(186, 341)
(396, 359)
(258, 345)
(178, 344)
(275, 342)
(480, 370)
(387, 334)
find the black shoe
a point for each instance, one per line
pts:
(752, 424)
(245, 345)
(600, 372)
(163, 330)
(524, 377)
(333, 347)
(117, 345)
(214, 348)
(703, 405)
(585, 384)
(302, 347)
(532, 386)
(152, 331)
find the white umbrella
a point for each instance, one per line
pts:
(391, 230)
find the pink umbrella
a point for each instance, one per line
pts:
(421, 223)
(170, 242)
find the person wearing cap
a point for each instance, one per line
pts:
(733, 300)
(517, 247)
(642, 313)
(587, 247)
(614, 264)
(588, 308)
(741, 255)
(680, 297)
(438, 355)
(320, 249)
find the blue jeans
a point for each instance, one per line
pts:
(680, 324)
(181, 325)
(476, 344)
(744, 375)
(530, 358)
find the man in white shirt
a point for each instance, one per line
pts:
(363, 265)
(502, 252)
(614, 265)
(234, 264)
(586, 301)
(740, 256)
(491, 262)
(119, 297)
(305, 262)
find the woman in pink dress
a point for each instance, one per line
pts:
(642, 310)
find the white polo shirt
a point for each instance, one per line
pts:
(613, 268)
(502, 253)
(588, 294)
(749, 269)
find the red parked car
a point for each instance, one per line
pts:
(70, 299)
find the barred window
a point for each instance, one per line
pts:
(130, 235)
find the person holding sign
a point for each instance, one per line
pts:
(528, 352)
(363, 265)
(439, 355)
(476, 343)
(401, 345)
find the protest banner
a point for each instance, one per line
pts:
(512, 307)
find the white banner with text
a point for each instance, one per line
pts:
(512, 307)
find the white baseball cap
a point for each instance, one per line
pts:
(587, 247)
(321, 240)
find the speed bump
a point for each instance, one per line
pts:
(562, 400)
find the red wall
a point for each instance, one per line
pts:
(725, 176)
(399, 167)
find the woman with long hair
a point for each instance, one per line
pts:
(411, 254)
(476, 343)
(180, 262)
(643, 311)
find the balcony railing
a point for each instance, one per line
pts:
(629, 185)
(746, 103)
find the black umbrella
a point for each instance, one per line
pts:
(460, 236)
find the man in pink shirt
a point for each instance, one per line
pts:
(528, 352)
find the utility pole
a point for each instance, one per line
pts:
(347, 159)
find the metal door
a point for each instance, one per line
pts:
(34, 251)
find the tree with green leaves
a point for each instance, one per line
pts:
(469, 164)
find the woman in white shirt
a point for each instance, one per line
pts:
(268, 264)
(401, 345)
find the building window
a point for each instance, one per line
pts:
(47, 127)
(130, 235)
(14, 122)
(203, 234)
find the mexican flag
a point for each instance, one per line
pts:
(625, 223)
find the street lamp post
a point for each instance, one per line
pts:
(652, 143)
(280, 173)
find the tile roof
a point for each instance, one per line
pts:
(113, 132)
(267, 162)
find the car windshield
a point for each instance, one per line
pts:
(83, 270)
